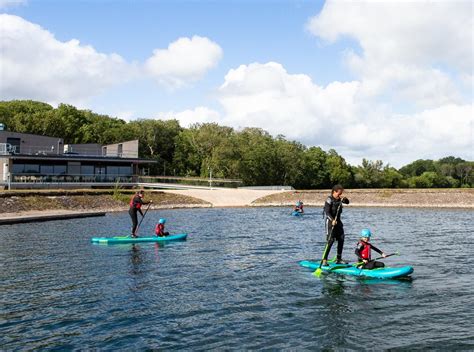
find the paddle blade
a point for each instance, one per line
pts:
(318, 272)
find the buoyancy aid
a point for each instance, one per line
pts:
(159, 229)
(136, 201)
(364, 250)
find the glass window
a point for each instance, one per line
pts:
(112, 170)
(125, 170)
(47, 169)
(32, 168)
(18, 168)
(59, 169)
(87, 170)
(73, 168)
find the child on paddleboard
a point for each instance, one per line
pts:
(160, 228)
(363, 251)
(299, 207)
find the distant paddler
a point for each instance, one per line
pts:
(136, 207)
(299, 207)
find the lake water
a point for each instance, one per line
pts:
(235, 284)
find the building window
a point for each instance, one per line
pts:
(87, 170)
(74, 168)
(112, 170)
(60, 169)
(32, 168)
(18, 168)
(125, 170)
(47, 169)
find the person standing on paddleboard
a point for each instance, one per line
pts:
(333, 223)
(136, 207)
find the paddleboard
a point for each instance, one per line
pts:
(125, 239)
(349, 269)
(296, 213)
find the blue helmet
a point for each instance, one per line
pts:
(365, 233)
(162, 221)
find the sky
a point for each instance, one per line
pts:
(380, 80)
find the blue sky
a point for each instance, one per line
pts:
(375, 80)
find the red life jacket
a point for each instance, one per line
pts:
(136, 204)
(159, 229)
(365, 251)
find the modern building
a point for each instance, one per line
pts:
(29, 158)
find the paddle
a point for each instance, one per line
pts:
(388, 255)
(318, 271)
(143, 217)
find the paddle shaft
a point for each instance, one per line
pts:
(371, 260)
(329, 238)
(143, 217)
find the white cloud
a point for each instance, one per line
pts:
(184, 61)
(11, 3)
(188, 117)
(35, 65)
(417, 51)
(411, 32)
(265, 95)
(338, 116)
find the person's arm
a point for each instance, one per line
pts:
(377, 250)
(358, 250)
(327, 209)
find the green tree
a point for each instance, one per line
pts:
(316, 174)
(289, 162)
(369, 174)
(465, 173)
(339, 170)
(258, 157)
(417, 167)
(72, 119)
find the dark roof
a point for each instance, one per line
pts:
(75, 157)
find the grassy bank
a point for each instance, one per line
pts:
(100, 200)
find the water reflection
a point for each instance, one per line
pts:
(135, 257)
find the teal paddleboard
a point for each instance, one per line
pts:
(125, 239)
(350, 269)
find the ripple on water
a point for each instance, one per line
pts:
(235, 284)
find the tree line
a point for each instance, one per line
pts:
(251, 154)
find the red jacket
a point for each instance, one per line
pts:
(363, 250)
(136, 201)
(160, 229)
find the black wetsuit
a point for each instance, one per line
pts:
(135, 208)
(332, 211)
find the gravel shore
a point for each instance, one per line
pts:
(420, 198)
(27, 202)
